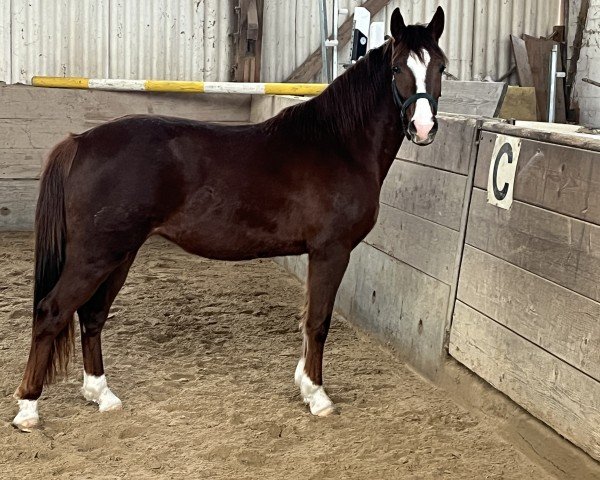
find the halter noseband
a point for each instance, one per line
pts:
(404, 104)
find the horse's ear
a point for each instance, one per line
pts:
(436, 26)
(397, 25)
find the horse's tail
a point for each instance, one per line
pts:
(50, 244)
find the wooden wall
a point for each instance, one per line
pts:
(527, 319)
(526, 315)
(32, 120)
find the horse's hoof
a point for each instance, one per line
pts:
(109, 402)
(28, 417)
(95, 389)
(320, 404)
(315, 397)
(325, 412)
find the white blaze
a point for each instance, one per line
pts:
(423, 116)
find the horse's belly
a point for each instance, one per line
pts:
(222, 240)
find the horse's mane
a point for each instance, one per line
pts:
(345, 105)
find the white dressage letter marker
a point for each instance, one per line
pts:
(503, 167)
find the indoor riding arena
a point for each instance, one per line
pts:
(465, 336)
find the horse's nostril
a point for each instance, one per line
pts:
(412, 127)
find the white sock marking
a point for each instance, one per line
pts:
(28, 416)
(423, 116)
(95, 389)
(313, 395)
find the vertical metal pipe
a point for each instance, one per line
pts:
(552, 84)
(334, 53)
(324, 34)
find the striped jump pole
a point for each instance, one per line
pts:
(180, 86)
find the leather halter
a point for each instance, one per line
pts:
(404, 104)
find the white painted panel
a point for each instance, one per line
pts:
(59, 38)
(4, 41)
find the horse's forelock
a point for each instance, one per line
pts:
(417, 39)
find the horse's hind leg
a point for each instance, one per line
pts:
(92, 317)
(326, 268)
(77, 283)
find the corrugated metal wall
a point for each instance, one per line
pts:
(160, 39)
(185, 39)
(476, 39)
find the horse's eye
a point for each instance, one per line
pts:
(442, 68)
(396, 69)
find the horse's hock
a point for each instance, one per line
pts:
(509, 293)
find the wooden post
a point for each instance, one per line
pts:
(248, 40)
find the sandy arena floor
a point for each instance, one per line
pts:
(202, 354)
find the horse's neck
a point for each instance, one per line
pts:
(376, 145)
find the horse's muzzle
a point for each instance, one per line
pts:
(411, 133)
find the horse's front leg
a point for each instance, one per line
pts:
(326, 268)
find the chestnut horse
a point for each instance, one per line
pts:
(305, 181)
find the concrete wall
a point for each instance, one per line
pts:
(35, 119)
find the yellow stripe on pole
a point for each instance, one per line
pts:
(294, 88)
(60, 82)
(174, 86)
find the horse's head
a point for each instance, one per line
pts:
(417, 66)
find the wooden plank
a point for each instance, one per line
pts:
(267, 106)
(451, 149)
(472, 98)
(568, 138)
(538, 51)
(522, 60)
(402, 306)
(553, 246)
(22, 134)
(550, 389)
(262, 108)
(426, 246)
(548, 315)
(562, 179)
(96, 106)
(519, 103)
(248, 41)
(21, 162)
(17, 204)
(430, 193)
(313, 64)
